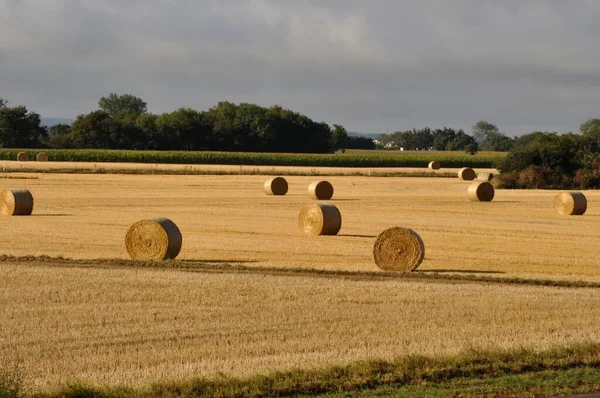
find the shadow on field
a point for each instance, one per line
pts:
(51, 215)
(357, 236)
(448, 271)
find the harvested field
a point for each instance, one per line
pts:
(134, 326)
(229, 218)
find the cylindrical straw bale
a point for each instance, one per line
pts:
(16, 202)
(319, 219)
(485, 176)
(570, 203)
(481, 191)
(42, 157)
(22, 156)
(466, 174)
(153, 239)
(398, 249)
(434, 165)
(322, 190)
(276, 186)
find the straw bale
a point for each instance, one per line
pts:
(153, 239)
(42, 157)
(481, 191)
(570, 203)
(398, 249)
(321, 190)
(434, 165)
(319, 219)
(16, 202)
(485, 176)
(22, 156)
(276, 186)
(466, 174)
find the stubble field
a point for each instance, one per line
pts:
(113, 323)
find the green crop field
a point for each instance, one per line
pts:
(348, 159)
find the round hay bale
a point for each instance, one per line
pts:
(319, 219)
(570, 203)
(321, 190)
(434, 165)
(153, 239)
(42, 157)
(485, 176)
(398, 249)
(22, 156)
(481, 191)
(276, 186)
(466, 174)
(16, 202)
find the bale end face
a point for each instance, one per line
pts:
(42, 157)
(485, 176)
(434, 165)
(153, 239)
(466, 174)
(16, 202)
(570, 203)
(319, 219)
(398, 249)
(481, 191)
(276, 186)
(22, 157)
(320, 190)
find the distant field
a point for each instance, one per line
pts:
(449, 154)
(353, 159)
(246, 297)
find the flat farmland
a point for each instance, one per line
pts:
(112, 322)
(230, 219)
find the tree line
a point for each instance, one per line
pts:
(123, 122)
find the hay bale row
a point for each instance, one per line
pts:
(398, 249)
(16, 202)
(466, 174)
(481, 191)
(485, 176)
(24, 157)
(320, 219)
(570, 203)
(319, 190)
(435, 165)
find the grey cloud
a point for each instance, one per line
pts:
(371, 66)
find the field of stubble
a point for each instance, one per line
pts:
(130, 325)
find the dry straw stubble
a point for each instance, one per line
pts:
(22, 157)
(481, 191)
(570, 203)
(42, 157)
(16, 202)
(276, 186)
(320, 219)
(153, 239)
(321, 190)
(466, 174)
(398, 249)
(434, 165)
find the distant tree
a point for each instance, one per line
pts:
(115, 104)
(20, 128)
(339, 138)
(463, 142)
(360, 143)
(3, 102)
(59, 136)
(496, 142)
(482, 129)
(591, 129)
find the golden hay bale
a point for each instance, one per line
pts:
(16, 202)
(322, 190)
(319, 219)
(22, 156)
(276, 186)
(466, 174)
(570, 203)
(153, 239)
(485, 176)
(434, 165)
(42, 157)
(481, 191)
(398, 249)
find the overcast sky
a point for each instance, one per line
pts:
(372, 66)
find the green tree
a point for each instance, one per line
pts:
(591, 128)
(339, 138)
(3, 102)
(482, 129)
(20, 128)
(496, 142)
(463, 142)
(115, 104)
(59, 136)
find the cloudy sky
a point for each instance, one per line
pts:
(372, 66)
